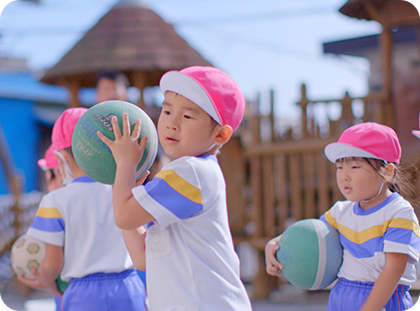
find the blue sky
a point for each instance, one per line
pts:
(263, 45)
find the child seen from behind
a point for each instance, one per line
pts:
(76, 223)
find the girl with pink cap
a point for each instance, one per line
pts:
(378, 228)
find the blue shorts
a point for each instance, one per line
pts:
(105, 292)
(350, 295)
(57, 300)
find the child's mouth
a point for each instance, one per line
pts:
(170, 139)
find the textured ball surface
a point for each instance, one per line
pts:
(93, 156)
(311, 254)
(26, 255)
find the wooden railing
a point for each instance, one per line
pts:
(291, 179)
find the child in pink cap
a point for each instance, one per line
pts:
(378, 228)
(76, 223)
(188, 250)
(49, 165)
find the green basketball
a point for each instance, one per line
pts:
(93, 156)
(310, 253)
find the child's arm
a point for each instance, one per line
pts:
(48, 271)
(387, 281)
(273, 267)
(127, 152)
(135, 243)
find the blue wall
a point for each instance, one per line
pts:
(21, 119)
(22, 135)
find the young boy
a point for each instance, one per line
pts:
(79, 218)
(188, 250)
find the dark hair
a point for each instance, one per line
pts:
(114, 76)
(69, 151)
(402, 182)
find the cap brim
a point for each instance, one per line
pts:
(336, 151)
(416, 133)
(42, 163)
(189, 88)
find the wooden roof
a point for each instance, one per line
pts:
(356, 8)
(386, 12)
(129, 38)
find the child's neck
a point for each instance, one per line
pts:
(385, 193)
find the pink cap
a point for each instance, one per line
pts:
(416, 132)
(366, 140)
(49, 161)
(64, 127)
(209, 88)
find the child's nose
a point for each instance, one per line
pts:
(346, 175)
(173, 125)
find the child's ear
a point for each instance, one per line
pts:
(224, 133)
(390, 167)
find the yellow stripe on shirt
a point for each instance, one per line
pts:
(405, 224)
(374, 231)
(181, 185)
(48, 213)
(331, 220)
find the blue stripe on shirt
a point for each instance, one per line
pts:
(48, 224)
(367, 249)
(363, 250)
(175, 202)
(403, 236)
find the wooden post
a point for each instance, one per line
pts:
(282, 196)
(269, 202)
(346, 114)
(73, 85)
(296, 185)
(140, 81)
(304, 103)
(308, 184)
(272, 117)
(386, 50)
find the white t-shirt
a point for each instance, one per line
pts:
(366, 235)
(190, 259)
(80, 218)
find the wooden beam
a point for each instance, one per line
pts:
(73, 85)
(386, 45)
(140, 81)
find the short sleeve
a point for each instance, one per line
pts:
(48, 225)
(172, 195)
(403, 235)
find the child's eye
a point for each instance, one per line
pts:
(355, 166)
(166, 112)
(187, 117)
(339, 167)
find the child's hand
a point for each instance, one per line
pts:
(273, 267)
(141, 180)
(125, 148)
(37, 283)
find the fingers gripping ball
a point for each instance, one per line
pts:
(93, 156)
(310, 253)
(27, 255)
